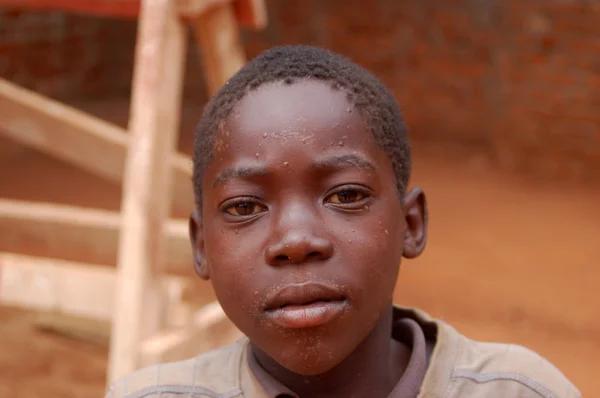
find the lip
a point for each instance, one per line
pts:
(305, 305)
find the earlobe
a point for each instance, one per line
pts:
(415, 214)
(197, 241)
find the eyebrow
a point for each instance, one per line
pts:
(344, 161)
(332, 162)
(238, 172)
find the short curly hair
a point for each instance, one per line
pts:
(365, 92)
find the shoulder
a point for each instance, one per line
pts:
(210, 374)
(461, 367)
(510, 369)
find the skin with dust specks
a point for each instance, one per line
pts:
(298, 192)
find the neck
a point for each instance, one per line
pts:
(371, 370)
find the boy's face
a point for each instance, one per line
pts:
(302, 230)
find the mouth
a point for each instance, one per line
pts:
(305, 305)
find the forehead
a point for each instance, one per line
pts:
(306, 110)
(302, 125)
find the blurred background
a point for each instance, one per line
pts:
(503, 103)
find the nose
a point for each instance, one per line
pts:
(297, 247)
(300, 238)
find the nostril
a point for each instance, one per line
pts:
(313, 254)
(282, 257)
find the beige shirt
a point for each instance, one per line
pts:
(458, 367)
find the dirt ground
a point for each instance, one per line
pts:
(508, 260)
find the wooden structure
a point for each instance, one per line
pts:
(133, 296)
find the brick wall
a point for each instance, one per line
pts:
(518, 80)
(53, 53)
(548, 71)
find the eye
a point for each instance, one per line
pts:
(348, 196)
(243, 207)
(345, 197)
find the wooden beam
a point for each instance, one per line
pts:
(250, 13)
(76, 297)
(78, 138)
(63, 132)
(59, 286)
(210, 329)
(74, 327)
(80, 234)
(155, 112)
(194, 8)
(217, 34)
(180, 314)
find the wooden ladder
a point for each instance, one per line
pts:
(135, 296)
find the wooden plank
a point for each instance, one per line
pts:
(70, 288)
(59, 286)
(194, 8)
(75, 327)
(155, 112)
(211, 329)
(63, 132)
(77, 138)
(217, 34)
(251, 13)
(180, 314)
(80, 234)
(78, 298)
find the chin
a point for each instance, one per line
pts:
(309, 356)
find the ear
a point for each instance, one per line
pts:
(415, 214)
(197, 241)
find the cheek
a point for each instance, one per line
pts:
(376, 247)
(231, 273)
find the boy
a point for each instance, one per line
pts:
(301, 168)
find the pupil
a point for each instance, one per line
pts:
(244, 208)
(347, 196)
